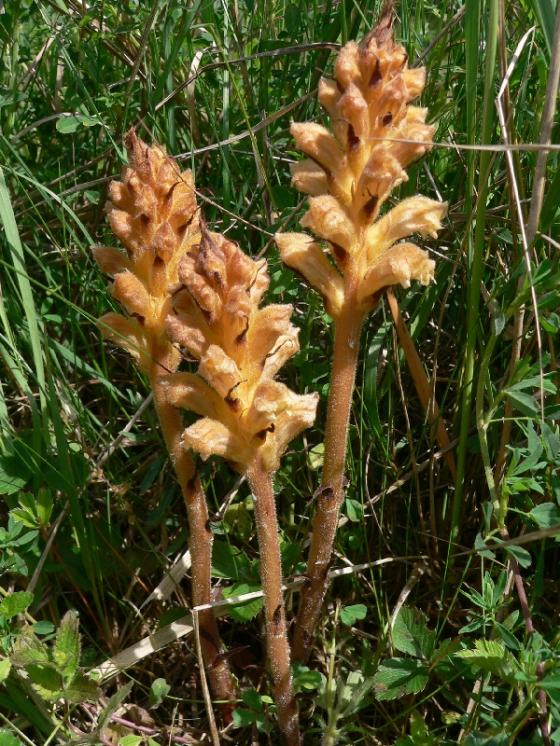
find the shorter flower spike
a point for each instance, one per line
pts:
(241, 348)
(153, 212)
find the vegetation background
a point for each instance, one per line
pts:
(91, 516)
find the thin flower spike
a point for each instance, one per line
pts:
(350, 173)
(247, 417)
(153, 211)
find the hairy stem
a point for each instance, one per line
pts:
(331, 493)
(201, 539)
(278, 649)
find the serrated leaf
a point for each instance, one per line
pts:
(66, 651)
(15, 603)
(27, 649)
(82, 689)
(411, 635)
(490, 656)
(397, 677)
(351, 614)
(46, 679)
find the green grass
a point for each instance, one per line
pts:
(218, 84)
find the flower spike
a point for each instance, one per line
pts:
(349, 173)
(153, 211)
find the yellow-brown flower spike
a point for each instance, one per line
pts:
(153, 211)
(241, 348)
(351, 171)
(247, 417)
(356, 253)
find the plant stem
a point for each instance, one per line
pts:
(201, 539)
(278, 649)
(330, 495)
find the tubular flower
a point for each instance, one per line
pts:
(153, 212)
(351, 171)
(245, 412)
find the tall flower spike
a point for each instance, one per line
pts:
(153, 212)
(247, 417)
(351, 172)
(349, 175)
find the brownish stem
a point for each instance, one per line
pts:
(331, 493)
(201, 539)
(278, 649)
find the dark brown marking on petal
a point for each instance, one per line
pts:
(340, 254)
(261, 435)
(376, 74)
(180, 287)
(327, 171)
(370, 205)
(232, 403)
(159, 263)
(387, 119)
(145, 220)
(353, 139)
(241, 337)
(169, 194)
(139, 318)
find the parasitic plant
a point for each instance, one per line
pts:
(350, 173)
(247, 417)
(153, 212)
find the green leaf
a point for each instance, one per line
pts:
(351, 695)
(66, 651)
(46, 679)
(230, 562)
(546, 515)
(307, 680)
(27, 648)
(131, 740)
(354, 510)
(158, 692)
(12, 476)
(8, 739)
(397, 677)
(15, 603)
(489, 656)
(520, 554)
(5, 667)
(246, 610)
(411, 634)
(82, 689)
(70, 124)
(524, 403)
(112, 705)
(351, 614)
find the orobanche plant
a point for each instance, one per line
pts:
(185, 287)
(153, 212)
(350, 173)
(248, 417)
